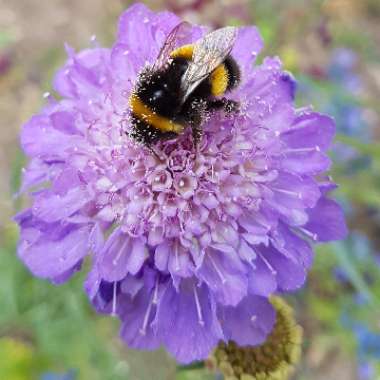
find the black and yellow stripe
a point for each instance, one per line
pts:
(157, 107)
(221, 79)
(144, 113)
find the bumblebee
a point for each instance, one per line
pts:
(185, 84)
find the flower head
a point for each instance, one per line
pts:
(185, 249)
(272, 360)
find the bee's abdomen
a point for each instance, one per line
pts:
(147, 134)
(233, 70)
(143, 132)
(147, 117)
(225, 77)
(219, 79)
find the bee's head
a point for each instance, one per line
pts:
(161, 89)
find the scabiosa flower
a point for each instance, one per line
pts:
(185, 249)
(272, 360)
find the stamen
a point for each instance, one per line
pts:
(155, 294)
(146, 317)
(217, 270)
(303, 150)
(252, 264)
(121, 250)
(266, 262)
(113, 313)
(288, 192)
(309, 233)
(198, 305)
(253, 318)
(177, 266)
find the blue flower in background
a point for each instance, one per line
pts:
(70, 375)
(367, 345)
(338, 94)
(362, 271)
(362, 257)
(368, 341)
(366, 371)
(342, 69)
(368, 351)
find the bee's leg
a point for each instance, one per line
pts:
(197, 112)
(228, 105)
(197, 135)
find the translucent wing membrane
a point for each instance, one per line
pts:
(177, 37)
(208, 54)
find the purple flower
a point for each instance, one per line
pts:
(186, 250)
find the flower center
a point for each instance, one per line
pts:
(272, 360)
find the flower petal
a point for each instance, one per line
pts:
(121, 255)
(225, 275)
(292, 246)
(247, 47)
(83, 75)
(52, 207)
(307, 140)
(290, 274)
(261, 280)
(137, 315)
(268, 90)
(40, 139)
(137, 29)
(248, 323)
(187, 322)
(326, 221)
(54, 250)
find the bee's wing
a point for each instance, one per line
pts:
(177, 37)
(208, 54)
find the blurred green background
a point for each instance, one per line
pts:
(333, 48)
